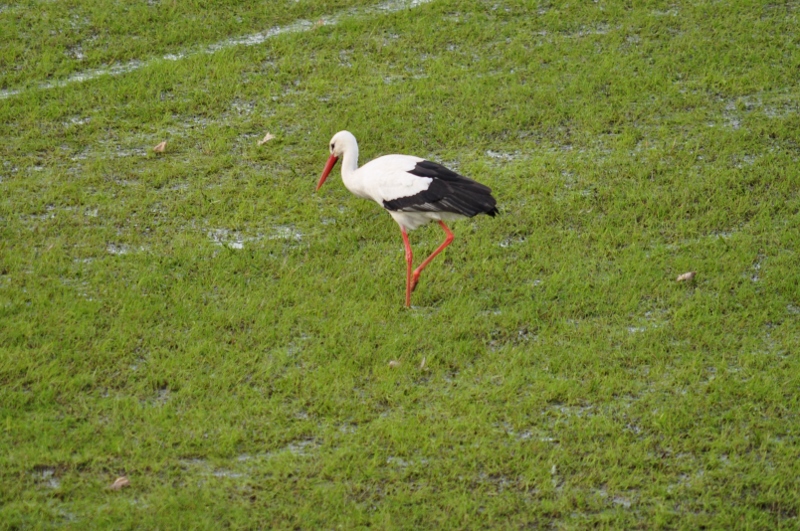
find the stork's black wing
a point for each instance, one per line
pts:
(447, 192)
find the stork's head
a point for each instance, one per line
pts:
(342, 142)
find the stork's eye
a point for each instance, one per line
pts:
(331, 146)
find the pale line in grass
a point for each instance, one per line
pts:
(389, 6)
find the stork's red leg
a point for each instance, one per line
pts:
(409, 258)
(417, 271)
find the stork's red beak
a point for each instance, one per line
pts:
(328, 167)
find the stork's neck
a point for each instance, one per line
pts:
(349, 162)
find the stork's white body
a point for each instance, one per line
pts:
(387, 178)
(414, 192)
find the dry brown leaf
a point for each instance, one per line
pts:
(161, 147)
(687, 276)
(394, 363)
(120, 483)
(267, 138)
(319, 23)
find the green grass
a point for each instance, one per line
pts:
(204, 323)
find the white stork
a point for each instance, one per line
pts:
(414, 191)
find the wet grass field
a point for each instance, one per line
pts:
(204, 324)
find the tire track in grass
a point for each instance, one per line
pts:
(390, 6)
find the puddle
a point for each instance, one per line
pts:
(771, 105)
(228, 238)
(569, 411)
(222, 473)
(622, 501)
(391, 460)
(236, 240)
(300, 447)
(205, 468)
(80, 287)
(755, 275)
(77, 120)
(286, 232)
(348, 428)
(253, 39)
(295, 346)
(501, 338)
(686, 243)
(668, 13)
(499, 482)
(193, 461)
(651, 320)
(162, 396)
(528, 435)
(75, 52)
(120, 249)
(503, 156)
(242, 107)
(740, 162)
(46, 476)
(508, 242)
(424, 312)
(600, 29)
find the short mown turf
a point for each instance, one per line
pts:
(203, 323)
